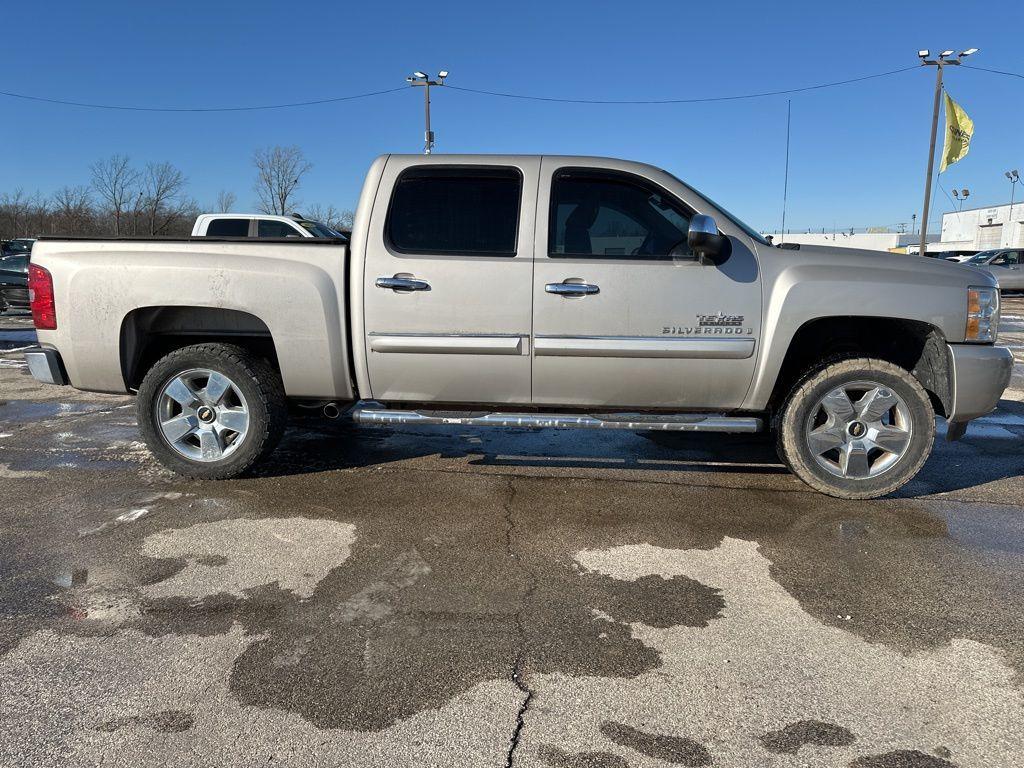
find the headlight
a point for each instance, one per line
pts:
(982, 314)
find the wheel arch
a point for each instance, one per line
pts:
(149, 333)
(916, 346)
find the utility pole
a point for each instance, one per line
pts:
(1014, 178)
(943, 59)
(423, 80)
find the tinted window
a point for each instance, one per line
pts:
(228, 228)
(611, 215)
(276, 229)
(463, 211)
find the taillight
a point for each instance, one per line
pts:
(40, 294)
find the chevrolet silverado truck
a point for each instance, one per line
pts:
(527, 291)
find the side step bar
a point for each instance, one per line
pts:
(368, 412)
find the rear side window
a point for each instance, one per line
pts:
(276, 229)
(455, 211)
(228, 228)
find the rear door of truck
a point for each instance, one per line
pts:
(447, 280)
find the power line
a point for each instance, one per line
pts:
(699, 100)
(134, 108)
(993, 71)
(198, 109)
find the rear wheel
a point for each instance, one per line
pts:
(211, 410)
(857, 429)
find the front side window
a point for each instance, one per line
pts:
(606, 214)
(228, 228)
(455, 211)
(271, 228)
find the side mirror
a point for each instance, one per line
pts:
(705, 242)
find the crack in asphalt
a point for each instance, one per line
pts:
(520, 624)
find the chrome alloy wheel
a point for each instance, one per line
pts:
(202, 415)
(859, 430)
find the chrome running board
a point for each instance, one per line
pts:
(369, 412)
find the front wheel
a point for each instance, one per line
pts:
(858, 429)
(210, 411)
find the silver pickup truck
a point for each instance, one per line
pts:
(526, 291)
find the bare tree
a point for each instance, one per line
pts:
(279, 170)
(332, 217)
(22, 214)
(225, 201)
(163, 201)
(115, 182)
(72, 211)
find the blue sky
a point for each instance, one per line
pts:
(858, 151)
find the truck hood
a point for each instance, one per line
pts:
(892, 266)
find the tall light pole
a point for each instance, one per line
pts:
(962, 197)
(940, 62)
(1014, 178)
(424, 80)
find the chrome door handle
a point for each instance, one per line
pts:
(402, 283)
(572, 289)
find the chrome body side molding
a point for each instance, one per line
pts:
(700, 347)
(447, 344)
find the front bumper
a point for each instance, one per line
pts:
(978, 376)
(46, 366)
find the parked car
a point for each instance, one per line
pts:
(14, 282)
(526, 291)
(957, 256)
(260, 225)
(1005, 264)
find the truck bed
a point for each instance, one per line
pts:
(114, 293)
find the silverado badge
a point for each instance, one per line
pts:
(717, 324)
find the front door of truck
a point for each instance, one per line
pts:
(447, 281)
(624, 315)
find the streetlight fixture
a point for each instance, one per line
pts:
(944, 59)
(962, 196)
(422, 79)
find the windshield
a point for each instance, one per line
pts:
(17, 246)
(750, 231)
(319, 229)
(982, 257)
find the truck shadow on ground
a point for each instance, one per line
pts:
(991, 451)
(313, 445)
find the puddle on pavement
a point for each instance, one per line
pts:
(28, 411)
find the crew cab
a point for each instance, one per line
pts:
(527, 291)
(259, 225)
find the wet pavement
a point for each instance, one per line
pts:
(393, 597)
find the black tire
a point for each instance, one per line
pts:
(793, 444)
(254, 377)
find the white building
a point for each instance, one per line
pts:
(978, 229)
(894, 242)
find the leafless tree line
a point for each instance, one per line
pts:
(124, 199)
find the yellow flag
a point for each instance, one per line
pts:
(959, 130)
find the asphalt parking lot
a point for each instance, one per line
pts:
(413, 597)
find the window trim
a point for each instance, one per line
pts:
(518, 172)
(597, 172)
